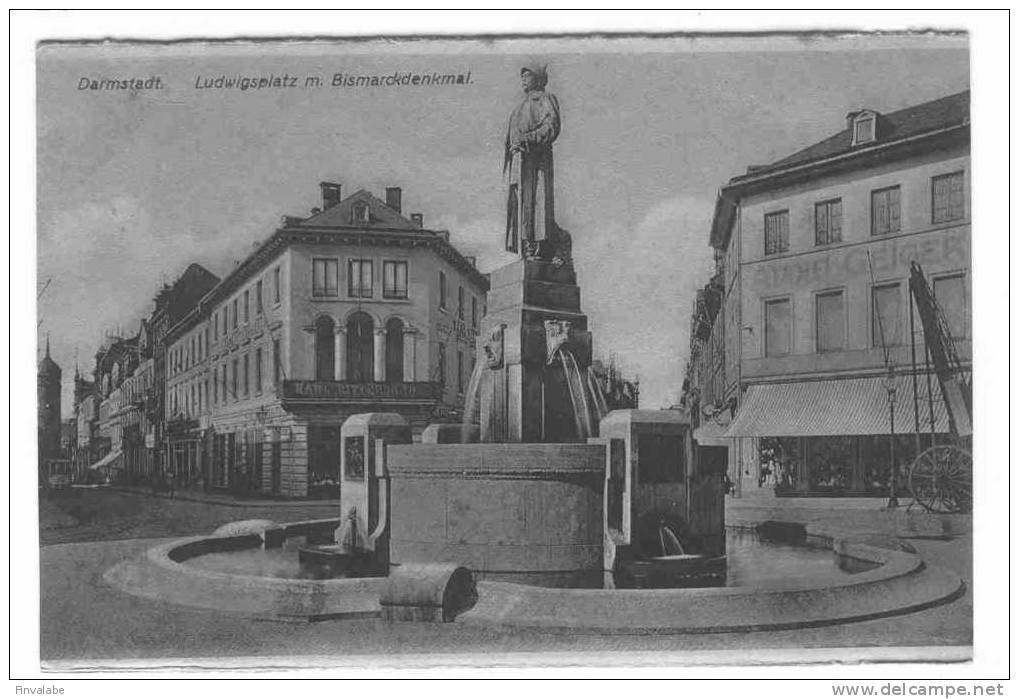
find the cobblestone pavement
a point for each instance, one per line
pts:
(83, 618)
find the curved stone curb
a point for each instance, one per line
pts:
(902, 584)
(157, 576)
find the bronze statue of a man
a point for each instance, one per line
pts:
(533, 127)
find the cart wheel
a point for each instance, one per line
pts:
(941, 478)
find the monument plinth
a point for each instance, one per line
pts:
(536, 349)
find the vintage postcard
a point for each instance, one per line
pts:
(596, 350)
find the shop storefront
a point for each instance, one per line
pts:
(834, 437)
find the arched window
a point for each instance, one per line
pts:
(394, 350)
(324, 349)
(360, 367)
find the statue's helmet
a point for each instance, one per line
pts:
(539, 71)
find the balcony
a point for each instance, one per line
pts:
(346, 392)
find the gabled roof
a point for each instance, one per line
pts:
(340, 215)
(938, 114)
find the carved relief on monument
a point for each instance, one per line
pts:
(493, 348)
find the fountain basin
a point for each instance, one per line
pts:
(896, 583)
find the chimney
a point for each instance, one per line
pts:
(418, 220)
(330, 194)
(394, 198)
(472, 260)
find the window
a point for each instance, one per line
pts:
(394, 350)
(359, 279)
(360, 213)
(460, 371)
(276, 366)
(226, 316)
(360, 348)
(777, 328)
(828, 222)
(831, 321)
(222, 375)
(950, 295)
(247, 384)
(258, 298)
(215, 325)
(863, 129)
(276, 285)
(215, 385)
(886, 315)
(325, 277)
(442, 364)
(325, 353)
(776, 232)
(258, 370)
(460, 303)
(474, 312)
(884, 211)
(394, 280)
(947, 201)
(233, 384)
(442, 290)
(206, 354)
(247, 307)
(235, 314)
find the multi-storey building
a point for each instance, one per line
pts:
(353, 309)
(815, 257)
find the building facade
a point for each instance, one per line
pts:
(353, 309)
(815, 325)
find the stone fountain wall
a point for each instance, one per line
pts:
(529, 513)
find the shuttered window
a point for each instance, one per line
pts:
(886, 330)
(947, 199)
(776, 232)
(828, 222)
(950, 295)
(885, 211)
(831, 321)
(777, 328)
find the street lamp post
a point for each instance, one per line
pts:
(890, 387)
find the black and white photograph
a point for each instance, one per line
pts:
(534, 350)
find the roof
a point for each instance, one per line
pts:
(935, 115)
(907, 131)
(340, 215)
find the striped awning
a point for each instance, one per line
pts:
(856, 406)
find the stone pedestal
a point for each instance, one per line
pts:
(525, 398)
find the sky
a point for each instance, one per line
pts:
(134, 186)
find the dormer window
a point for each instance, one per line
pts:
(360, 213)
(864, 127)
